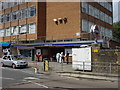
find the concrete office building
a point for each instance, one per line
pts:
(44, 26)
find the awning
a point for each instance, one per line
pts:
(59, 44)
(4, 43)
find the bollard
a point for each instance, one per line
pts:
(46, 65)
(35, 70)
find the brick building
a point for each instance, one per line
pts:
(48, 23)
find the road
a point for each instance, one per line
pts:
(25, 78)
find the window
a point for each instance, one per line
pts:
(1, 32)
(19, 14)
(8, 17)
(8, 33)
(85, 25)
(15, 3)
(106, 17)
(14, 16)
(4, 18)
(32, 28)
(91, 10)
(32, 11)
(102, 16)
(96, 12)
(21, 1)
(85, 7)
(1, 18)
(14, 30)
(5, 5)
(23, 13)
(23, 29)
(11, 4)
(110, 20)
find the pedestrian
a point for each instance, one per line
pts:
(61, 57)
(38, 56)
(67, 55)
(58, 57)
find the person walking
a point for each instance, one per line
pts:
(38, 56)
(67, 55)
(58, 57)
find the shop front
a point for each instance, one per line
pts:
(4, 46)
(49, 51)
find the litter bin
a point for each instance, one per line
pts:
(46, 65)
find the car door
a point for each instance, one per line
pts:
(5, 60)
(9, 61)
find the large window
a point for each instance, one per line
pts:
(8, 32)
(5, 5)
(14, 16)
(23, 29)
(1, 32)
(96, 13)
(32, 28)
(32, 11)
(85, 7)
(85, 25)
(8, 17)
(91, 10)
(1, 18)
(25, 53)
(14, 30)
(23, 13)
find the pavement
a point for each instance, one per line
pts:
(66, 70)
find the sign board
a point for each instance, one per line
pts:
(95, 50)
(81, 58)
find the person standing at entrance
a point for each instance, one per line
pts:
(67, 55)
(38, 56)
(61, 57)
(58, 57)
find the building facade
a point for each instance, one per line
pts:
(43, 22)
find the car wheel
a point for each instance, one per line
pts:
(2, 64)
(13, 66)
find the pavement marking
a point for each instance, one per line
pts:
(7, 78)
(38, 84)
(30, 78)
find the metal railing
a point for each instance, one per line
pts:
(95, 67)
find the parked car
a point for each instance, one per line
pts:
(10, 60)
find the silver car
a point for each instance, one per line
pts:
(10, 60)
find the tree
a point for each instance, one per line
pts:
(116, 31)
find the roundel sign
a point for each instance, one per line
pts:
(95, 31)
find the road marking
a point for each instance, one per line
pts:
(7, 78)
(30, 78)
(38, 84)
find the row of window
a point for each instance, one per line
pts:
(89, 9)
(5, 4)
(18, 30)
(86, 26)
(105, 4)
(20, 14)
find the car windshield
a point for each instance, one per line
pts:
(14, 58)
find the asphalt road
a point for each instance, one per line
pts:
(25, 78)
